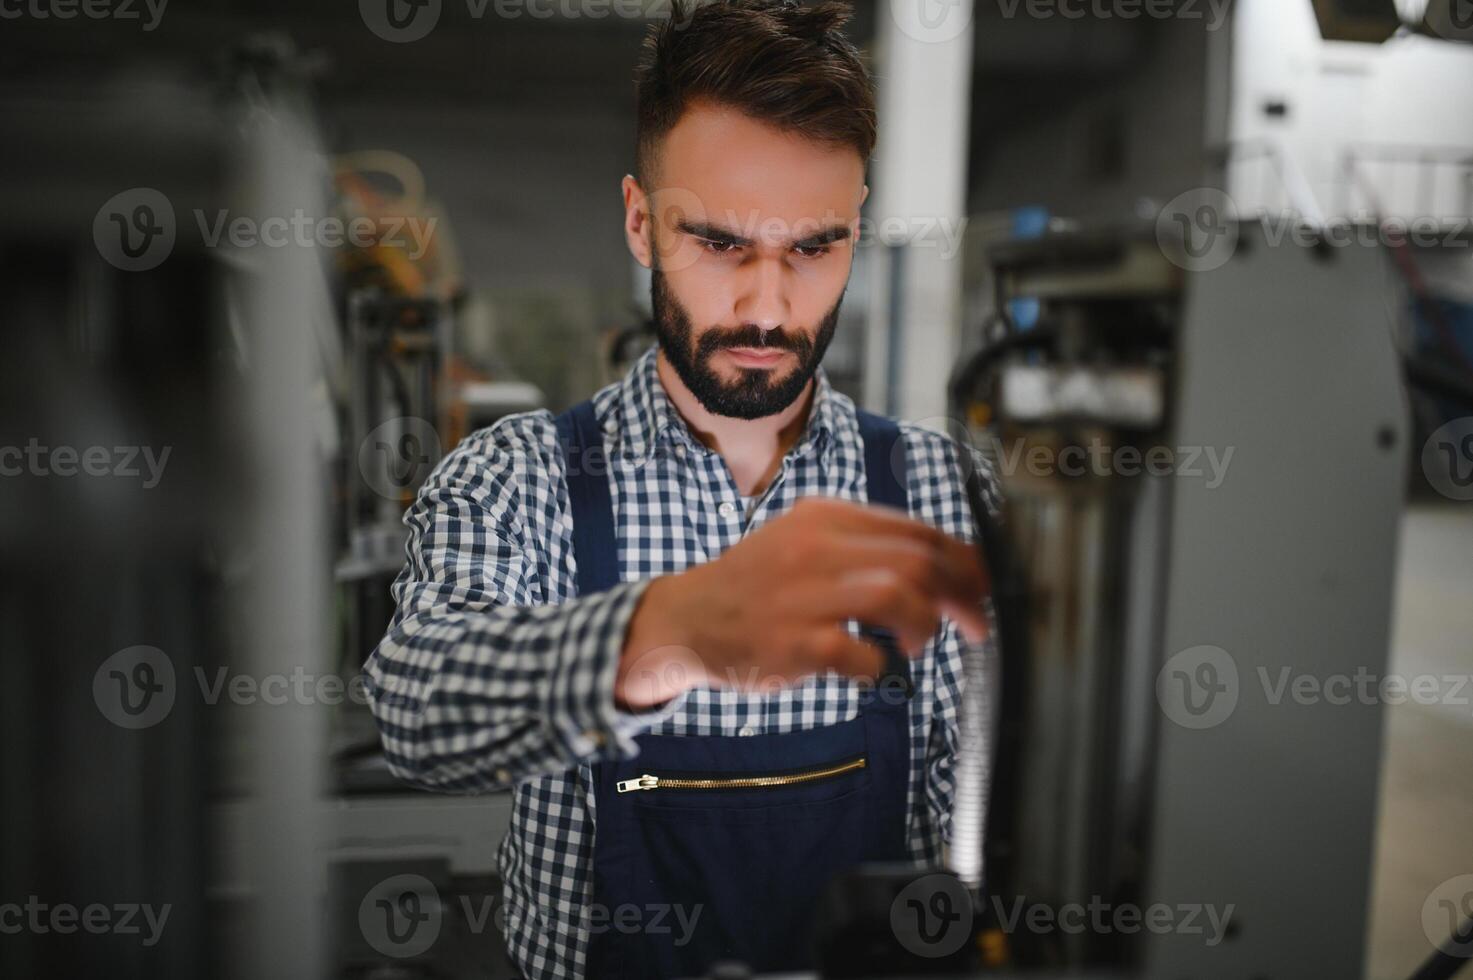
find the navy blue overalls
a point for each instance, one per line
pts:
(748, 861)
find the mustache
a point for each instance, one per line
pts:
(750, 335)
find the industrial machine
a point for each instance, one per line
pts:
(1180, 528)
(1149, 763)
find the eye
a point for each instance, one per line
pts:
(717, 248)
(812, 251)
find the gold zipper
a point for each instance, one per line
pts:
(738, 782)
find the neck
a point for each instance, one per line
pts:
(753, 449)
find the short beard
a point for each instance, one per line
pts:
(753, 395)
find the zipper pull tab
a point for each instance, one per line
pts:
(641, 782)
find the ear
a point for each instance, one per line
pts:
(637, 220)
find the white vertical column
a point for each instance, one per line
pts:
(287, 627)
(924, 76)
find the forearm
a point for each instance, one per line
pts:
(472, 699)
(659, 662)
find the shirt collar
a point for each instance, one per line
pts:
(650, 420)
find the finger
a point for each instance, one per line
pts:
(974, 581)
(957, 594)
(876, 598)
(859, 520)
(879, 597)
(833, 648)
(951, 572)
(969, 619)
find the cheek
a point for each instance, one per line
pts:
(816, 289)
(706, 292)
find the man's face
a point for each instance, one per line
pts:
(751, 245)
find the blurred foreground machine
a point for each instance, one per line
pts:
(1203, 473)
(1147, 761)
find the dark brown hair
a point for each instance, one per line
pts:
(779, 61)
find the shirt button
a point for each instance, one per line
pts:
(727, 508)
(595, 736)
(747, 730)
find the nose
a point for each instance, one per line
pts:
(763, 298)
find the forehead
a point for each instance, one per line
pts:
(735, 164)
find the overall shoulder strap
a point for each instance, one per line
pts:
(885, 473)
(586, 466)
(884, 461)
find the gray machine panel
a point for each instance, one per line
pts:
(1286, 359)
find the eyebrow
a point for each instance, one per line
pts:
(715, 233)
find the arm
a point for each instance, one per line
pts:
(479, 681)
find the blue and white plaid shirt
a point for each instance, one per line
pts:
(492, 675)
